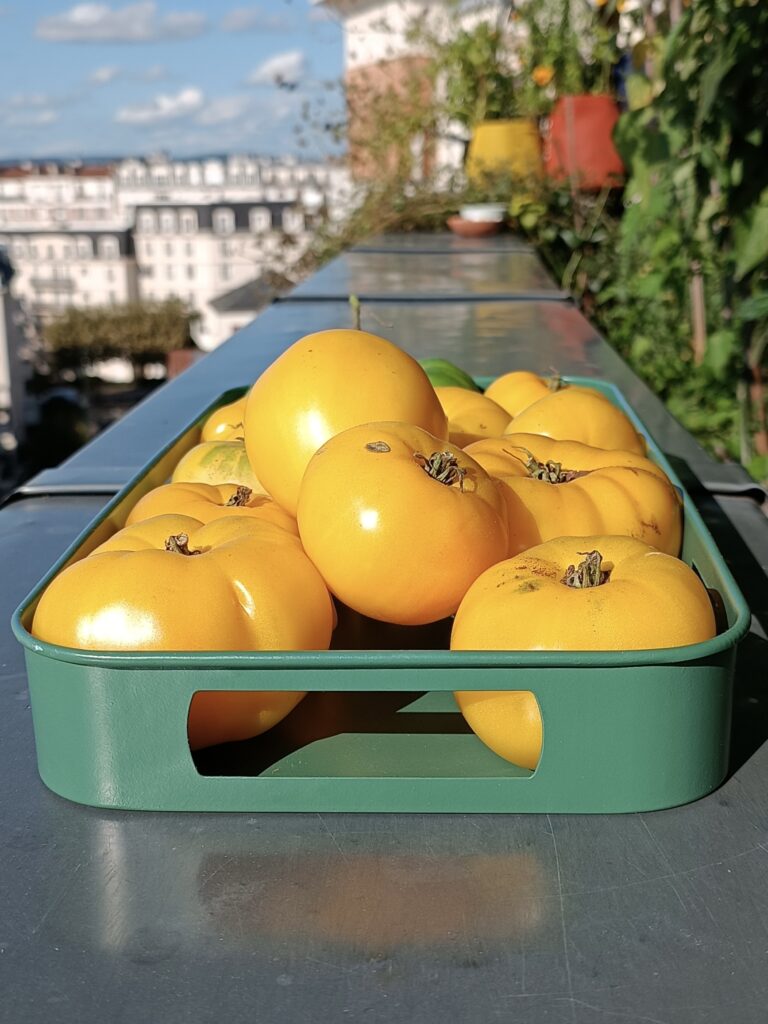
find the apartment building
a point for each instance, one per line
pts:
(200, 252)
(68, 239)
(155, 228)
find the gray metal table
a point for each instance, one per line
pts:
(122, 916)
(427, 242)
(452, 274)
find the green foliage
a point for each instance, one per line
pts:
(141, 332)
(697, 219)
(576, 39)
(479, 85)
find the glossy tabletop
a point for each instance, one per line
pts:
(453, 274)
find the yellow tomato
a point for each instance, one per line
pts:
(471, 415)
(321, 385)
(572, 594)
(226, 423)
(149, 534)
(557, 488)
(207, 502)
(399, 522)
(579, 414)
(217, 462)
(517, 390)
(236, 584)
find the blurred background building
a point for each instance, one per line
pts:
(150, 229)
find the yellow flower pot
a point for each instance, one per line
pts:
(511, 147)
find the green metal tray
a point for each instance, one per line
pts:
(379, 729)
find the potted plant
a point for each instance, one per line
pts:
(482, 92)
(572, 53)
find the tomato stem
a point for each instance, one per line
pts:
(556, 382)
(241, 497)
(589, 573)
(443, 467)
(551, 472)
(354, 303)
(179, 544)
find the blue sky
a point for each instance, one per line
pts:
(187, 76)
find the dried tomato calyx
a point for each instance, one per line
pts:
(556, 382)
(443, 467)
(550, 471)
(589, 573)
(241, 497)
(178, 543)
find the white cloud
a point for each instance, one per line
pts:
(285, 69)
(224, 109)
(30, 118)
(163, 108)
(104, 75)
(256, 19)
(134, 23)
(155, 73)
(25, 100)
(30, 109)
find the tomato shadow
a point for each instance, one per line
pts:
(321, 716)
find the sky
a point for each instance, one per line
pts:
(186, 77)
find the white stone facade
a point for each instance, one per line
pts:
(156, 228)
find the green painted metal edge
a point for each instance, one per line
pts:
(739, 616)
(623, 731)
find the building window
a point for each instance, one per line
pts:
(227, 248)
(223, 222)
(293, 221)
(225, 272)
(190, 271)
(84, 248)
(147, 222)
(109, 247)
(112, 298)
(169, 248)
(148, 248)
(110, 274)
(19, 249)
(167, 222)
(260, 219)
(188, 248)
(67, 251)
(83, 271)
(49, 252)
(188, 220)
(169, 272)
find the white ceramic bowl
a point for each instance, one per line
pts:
(486, 213)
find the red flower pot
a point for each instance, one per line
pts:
(579, 146)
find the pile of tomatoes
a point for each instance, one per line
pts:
(528, 514)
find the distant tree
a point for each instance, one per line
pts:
(141, 332)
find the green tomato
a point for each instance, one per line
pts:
(442, 373)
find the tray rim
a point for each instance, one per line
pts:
(430, 658)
